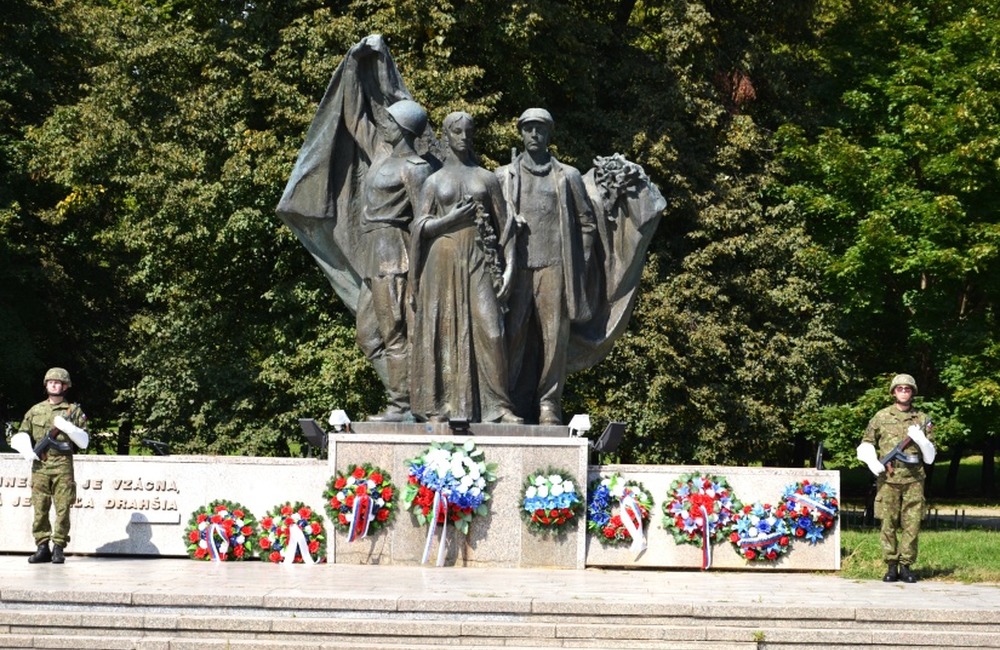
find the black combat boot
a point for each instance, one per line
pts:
(906, 575)
(43, 554)
(892, 575)
(57, 554)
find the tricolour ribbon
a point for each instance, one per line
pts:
(296, 542)
(706, 540)
(440, 505)
(761, 540)
(816, 505)
(631, 507)
(360, 517)
(211, 532)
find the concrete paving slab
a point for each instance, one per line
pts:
(89, 581)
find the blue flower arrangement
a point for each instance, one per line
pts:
(457, 473)
(812, 509)
(761, 532)
(551, 501)
(605, 516)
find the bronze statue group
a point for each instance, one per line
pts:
(476, 292)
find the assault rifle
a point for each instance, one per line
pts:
(49, 441)
(897, 454)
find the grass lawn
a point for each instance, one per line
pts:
(955, 555)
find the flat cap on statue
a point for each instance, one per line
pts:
(536, 115)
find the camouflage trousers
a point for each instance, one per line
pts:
(901, 509)
(52, 483)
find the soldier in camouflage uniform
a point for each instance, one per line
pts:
(52, 480)
(899, 502)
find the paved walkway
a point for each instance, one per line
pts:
(254, 584)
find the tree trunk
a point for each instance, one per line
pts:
(987, 484)
(952, 479)
(800, 451)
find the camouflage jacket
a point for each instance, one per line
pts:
(38, 421)
(886, 430)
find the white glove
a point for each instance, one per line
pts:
(919, 438)
(21, 443)
(868, 455)
(75, 433)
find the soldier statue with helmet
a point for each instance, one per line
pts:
(390, 197)
(56, 429)
(896, 445)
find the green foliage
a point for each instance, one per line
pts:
(830, 169)
(898, 183)
(56, 292)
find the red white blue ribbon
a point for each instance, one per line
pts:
(296, 543)
(630, 509)
(761, 541)
(211, 532)
(816, 505)
(440, 505)
(361, 517)
(706, 540)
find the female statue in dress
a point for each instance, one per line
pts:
(460, 273)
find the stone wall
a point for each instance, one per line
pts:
(140, 505)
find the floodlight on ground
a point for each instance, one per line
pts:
(315, 436)
(459, 426)
(579, 424)
(610, 440)
(159, 448)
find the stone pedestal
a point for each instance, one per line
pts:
(499, 540)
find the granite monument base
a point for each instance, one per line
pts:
(500, 539)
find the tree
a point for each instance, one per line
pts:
(898, 184)
(54, 288)
(194, 111)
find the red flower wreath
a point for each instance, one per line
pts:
(276, 533)
(342, 489)
(222, 530)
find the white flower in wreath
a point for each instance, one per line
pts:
(475, 491)
(531, 492)
(555, 479)
(568, 487)
(543, 491)
(438, 460)
(557, 489)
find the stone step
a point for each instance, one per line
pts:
(155, 628)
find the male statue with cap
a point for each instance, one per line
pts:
(896, 445)
(555, 228)
(56, 429)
